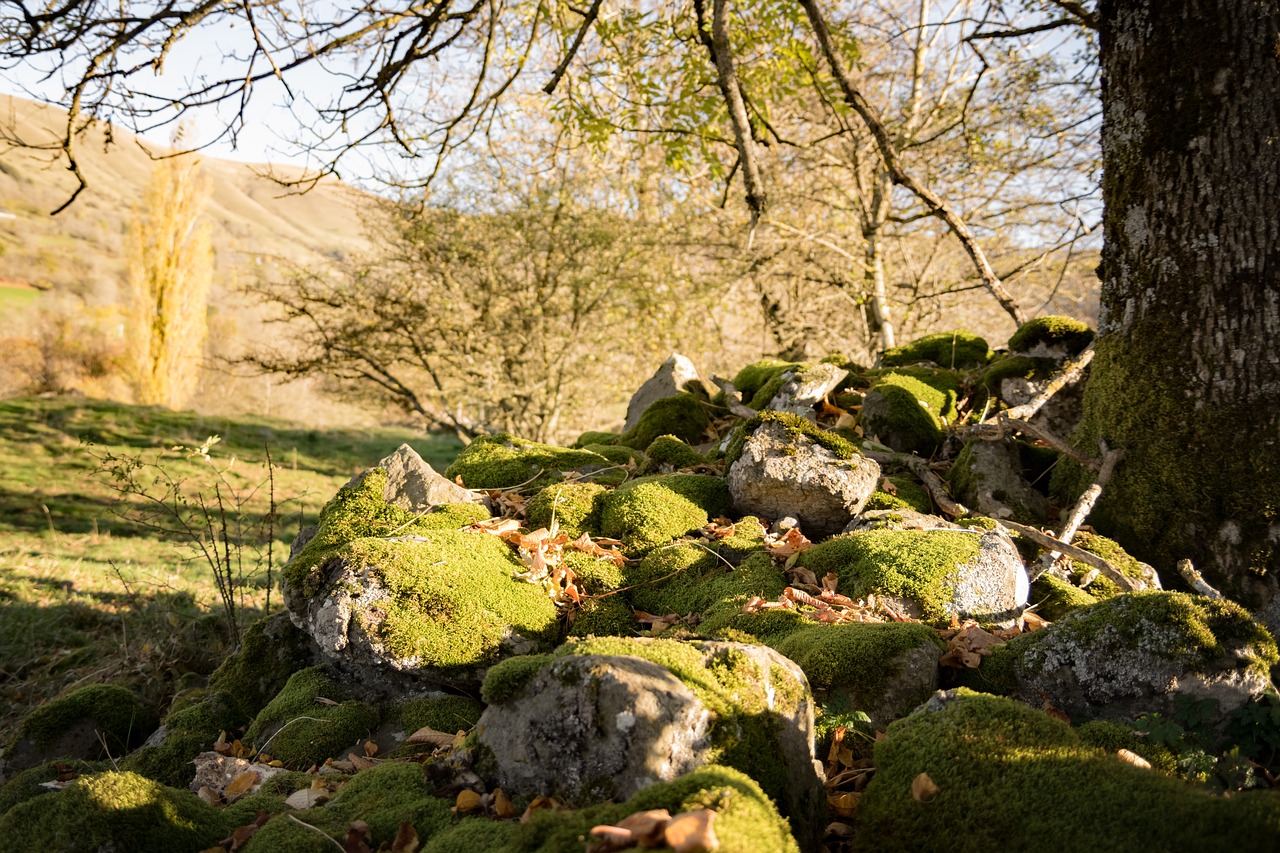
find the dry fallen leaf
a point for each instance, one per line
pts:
(1033, 621)
(1134, 759)
(843, 803)
(406, 840)
(359, 762)
(370, 749)
(692, 832)
(923, 789)
(306, 798)
(426, 734)
(357, 840)
(537, 804)
(647, 826)
(241, 785)
(468, 802)
(502, 805)
(323, 701)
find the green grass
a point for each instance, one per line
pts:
(88, 594)
(14, 298)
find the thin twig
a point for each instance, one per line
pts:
(1068, 375)
(1044, 540)
(589, 19)
(932, 482)
(1196, 580)
(1084, 506)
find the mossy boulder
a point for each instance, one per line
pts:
(1013, 778)
(604, 717)
(1054, 597)
(688, 578)
(884, 670)
(271, 650)
(505, 462)
(575, 507)
(676, 375)
(987, 477)
(682, 415)
(667, 453)
(958, 350)
(906, 494)
(113, 811)
(300, 727)
(91, 722)
(1108, 549)
(598, 437)
(166, 756)
(1135, 654)
(31, 783)
(652, 511)
(1053, 336)
(754, 378)
(906, 414)
(936, 573)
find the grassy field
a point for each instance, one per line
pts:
(90, 592)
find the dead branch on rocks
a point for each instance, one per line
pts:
(1069, 375)
(1196, 580)
(920, 467)
(1044, 540)
(731, 398)
(1083, 507)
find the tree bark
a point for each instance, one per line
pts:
(1187, 375)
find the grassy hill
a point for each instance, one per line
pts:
(90, 594)
(255, 219)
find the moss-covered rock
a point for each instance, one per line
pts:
(1109, 550)
(1053, 597)
(885, 670)
(1010, 777)
(796, 427)
(595, 437)
(1016, 367)
(652, 511)
(91, 722)
(444, 713)
(751, 379)
(618, 454)
(683, 416)
(669, 453)
(113, 811)
(574, 506)
(988, 477)
(906, 414)
(1065, 334)
(506, 462)
(1135, 654)
(299, 730)
(940, 379)
(186, 733)
(30, 783)
(271, 650)
(958, 350)
(603, 617)
(907, 494)
(688, 578)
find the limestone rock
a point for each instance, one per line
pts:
(669, 380)
(414, 486)
(782, 474)
(987, 476)
(898, 519)
(805, 388)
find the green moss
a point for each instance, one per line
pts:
(28, 784)
(507, 679)
(683, 416)
(574, 506)
(796, 426)
(911, 416)
(617, 454)
(1109, 550)
(188, 733)
(1054, 597)
(115, 712)
(451, 516)
(452, 600)
(916, 564)
(299, 731)
(954, 350)
(608, 616)
(975, 473)
(764, 395)
(855, 659)
(1013, 778)
(442, 713)
(910, 495)
(1017, 366)
(768, 627)
(113, 811)
(472, 835)
(687, 579)
(595, 575)
(1112, 736)
(1067, 332)
(755, 376)
(595, 437)
(940, 379)
(271, 650)
(671, 451)
(652, 511)
(505, 462)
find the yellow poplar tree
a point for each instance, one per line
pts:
(170, 271)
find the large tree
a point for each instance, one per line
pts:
(1187, 375)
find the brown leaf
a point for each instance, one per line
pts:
(323, 701)
(502, 805)
(241, 785)
(843, 803)
(1034, 622)
(307, 798)
(468, 802)
(829, 583)
(887, 486)
(536, 805)
(426, 734)
(801, 575)
(692, 832)
(370, 749)
(923, 789)
(359, 762)
(1053, 711)
(406, 840)
(610, 838)
(357, 840)
(647, 826)
(1134, 759)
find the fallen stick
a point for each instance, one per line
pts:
(1082, 508)
(932, 482)
(1196, 580)
(1069, 375)
(731, 398)
(1044, 540)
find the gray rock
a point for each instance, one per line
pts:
(669, 380)
(804, 389)
(414, 486)
(1137, 653)
(898, 519)
(1061, 414)
(995, 584)
(589, 727)
(987, 475)
(780, 475)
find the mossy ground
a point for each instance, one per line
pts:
(669, 452)
(506, 462)
(574, 506)
(689, 578)
(952, 350)
(189, 732)
(300, 731)
(916, 564)
(1010, 777)
(652, 511)
(908, 494)
(856, 658)
(1053, 597)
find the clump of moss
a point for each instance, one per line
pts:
(595, 437)
(958, 350)
(916, 564)
(687, 579)
(755, 376)
(618, 454)
(856, 659)
(796, 426)
(941, 379)
(442, 713)
(1017, 367)
(1054, 597)
(603, 617)
(652, 511)
(1067, 332)
(271, 650)
(506, 679)
(668, 450)
(765, 394)
(474, 834)
(682, 415)
(908, 494)
(906, 414)
(769, 627)
(113, 811)
(1010, 777)
(29, 784)
(574, 506)
(452, 516)
(188, 733)
(1112, 736)
(299, 731)
(504, 462)
(115, 715)
(1109, 550)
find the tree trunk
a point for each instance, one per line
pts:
(1187, 374)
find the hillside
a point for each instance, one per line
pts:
(255, 219)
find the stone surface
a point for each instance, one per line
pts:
(414, 486)
(806, 388)
(994, 583)
(669, 379)
(987, 476)
(781, 475)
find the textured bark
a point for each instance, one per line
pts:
(1187, 375)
